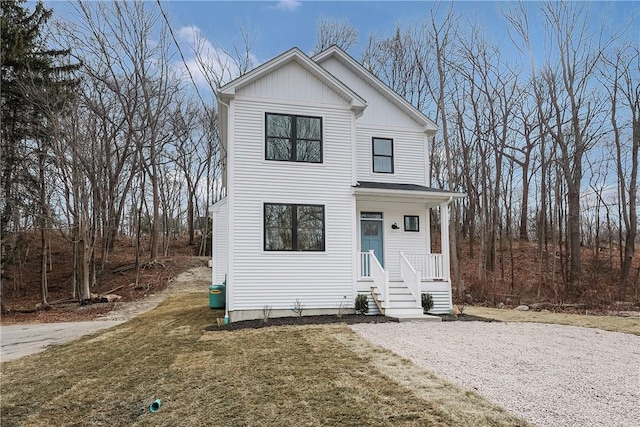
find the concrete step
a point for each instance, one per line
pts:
(420, 318)
(404, 312)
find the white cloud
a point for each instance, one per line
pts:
(207, 63)
(288, 4)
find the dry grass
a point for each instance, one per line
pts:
(299, 375)
(629, 325)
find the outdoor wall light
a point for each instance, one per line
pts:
(395, 226)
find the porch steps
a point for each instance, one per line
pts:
(402, 305)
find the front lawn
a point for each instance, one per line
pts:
(629, 325)
(294, 375)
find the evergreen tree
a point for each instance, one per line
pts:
(36, 83)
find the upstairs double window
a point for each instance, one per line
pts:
(382, 149)
(293, 138)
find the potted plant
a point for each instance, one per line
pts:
(362, 304)
(427, 303)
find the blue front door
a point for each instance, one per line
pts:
(371, 238)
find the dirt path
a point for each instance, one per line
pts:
(21, 340)
(193, 280)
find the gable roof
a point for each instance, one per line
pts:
(334, 51)
(228, 91)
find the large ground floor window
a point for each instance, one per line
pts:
(290, 227)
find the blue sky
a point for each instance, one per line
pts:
(280, 25)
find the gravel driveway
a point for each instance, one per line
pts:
(550, 375)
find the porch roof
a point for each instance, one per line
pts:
(415, 192)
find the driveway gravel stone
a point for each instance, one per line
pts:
(550, 375)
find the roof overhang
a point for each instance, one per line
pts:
(429, 126)
(403, 193)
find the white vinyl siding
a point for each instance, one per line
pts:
(408, 156)
(277, 279)
(380, 110)
(383, 119)
(396, 241)
(441, 293)
(220, 245)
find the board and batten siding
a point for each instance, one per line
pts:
(277, 279)
(292, 82)
(220, 241)
(396, 241)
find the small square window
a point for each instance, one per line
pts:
(411, 223)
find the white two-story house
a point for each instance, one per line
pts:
(327, 184)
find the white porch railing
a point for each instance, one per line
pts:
(370, 268)
(431, 266)
(410, 276)
(365, 265)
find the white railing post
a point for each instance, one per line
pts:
(386, 290)
(380, 278)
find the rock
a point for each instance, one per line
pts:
(110, 298)
(468, 298)
(522, 307)
(501, 305)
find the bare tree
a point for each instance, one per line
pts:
(128, 41)
(621, 74)
(442, 35)
(337, 32)
(566, 86)
(220, 65)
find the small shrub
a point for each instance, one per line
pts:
(266, 313)
(362, 304)
(342, 306)
(298, 307)
(427, 303)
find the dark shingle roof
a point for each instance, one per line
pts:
(405, 187)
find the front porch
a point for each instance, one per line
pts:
(402, 297)
(396, 263)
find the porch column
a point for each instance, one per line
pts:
(444, 239)
(427, 229)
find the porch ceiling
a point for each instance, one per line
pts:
(402, 193)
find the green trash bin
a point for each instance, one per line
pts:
(216, 296)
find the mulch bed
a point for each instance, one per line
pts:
(349, 319)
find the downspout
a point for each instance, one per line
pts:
(226, 291)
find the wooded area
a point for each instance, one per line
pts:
(110, 139)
